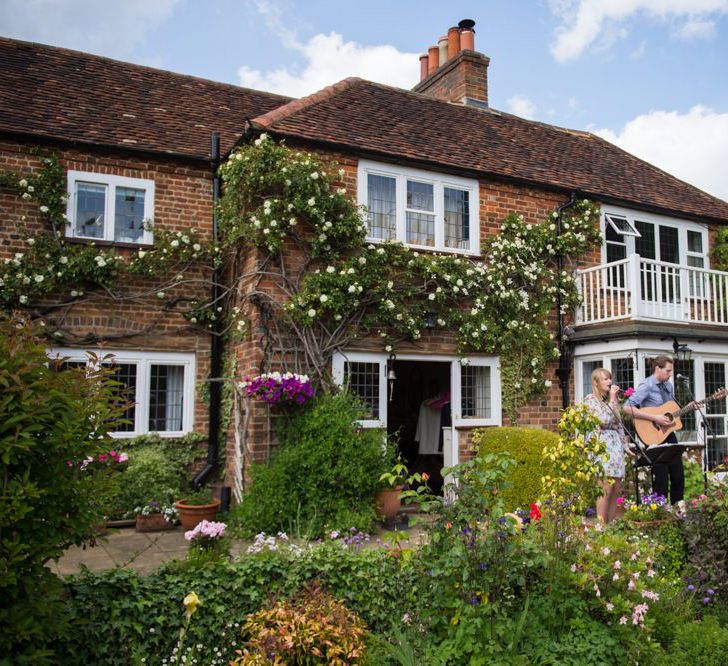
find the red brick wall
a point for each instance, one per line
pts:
(183, 199)
(466, 75)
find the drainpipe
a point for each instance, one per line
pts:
(213, 433)
(564, 370)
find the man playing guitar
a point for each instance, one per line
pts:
(653, 392)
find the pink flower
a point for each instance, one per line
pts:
(617, 564)
(102, 457)
(631, 585)
(651, 573)
(610, 606)
(597, 591)
(606, 551)
(652, 596)
(623, 620)
(123, 457)
(615, 577)
(620, 501)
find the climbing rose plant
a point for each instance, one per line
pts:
(289, 204)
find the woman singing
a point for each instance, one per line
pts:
(602, 403)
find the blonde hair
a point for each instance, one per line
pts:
(596, 376)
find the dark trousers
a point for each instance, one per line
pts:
(673, 472)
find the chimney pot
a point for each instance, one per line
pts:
(424, 59)
(467, 24)
(453, 42)
(442, 44)
(467, 40)
(433, 54)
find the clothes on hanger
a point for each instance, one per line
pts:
(430, 423)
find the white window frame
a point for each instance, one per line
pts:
(631, 230)
(632, 216)
(111, 182)
(144, 360)
(456, 364)
(439, 182)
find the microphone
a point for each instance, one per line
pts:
(682, 378)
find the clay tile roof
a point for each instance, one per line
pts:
(68, 95)
(374, 119)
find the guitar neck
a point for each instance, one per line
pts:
(698, 404)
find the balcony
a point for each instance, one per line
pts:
(643, 289)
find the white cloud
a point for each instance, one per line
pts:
(522, 106)
(108, 28)
(692, 146)
(695, 29)
(327, 59)
(585, 22)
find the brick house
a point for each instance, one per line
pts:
(648, 289)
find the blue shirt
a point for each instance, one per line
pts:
(650, 393)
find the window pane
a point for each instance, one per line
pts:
(90, 210)
(457, 218)
(166, 392)
(623, 372)
(363, 382)
(420, 229)
(420, 196)
(615, 252)
(698, 262)
(587, 367)
(669, 250)
(695, 242)
(644, 244)
(382, 205)
(612, 235)
(714, 380)
(126, 375)
(129, 214)
(475, 391)
(683, 397)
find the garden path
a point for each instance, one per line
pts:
(144, 552)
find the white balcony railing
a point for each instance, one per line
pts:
(637, 288)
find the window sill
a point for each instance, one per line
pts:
(426, 248)
(106, 243)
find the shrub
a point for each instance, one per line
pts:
(698, 644)
(51, 423)
(525, 446)
(324, 475)
(111, 611)
(311, 628)
(158, 471)
(706, 538)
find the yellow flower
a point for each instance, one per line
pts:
(191, 602)
(653, 507)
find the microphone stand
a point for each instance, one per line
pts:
(640, 452)
(706, 429)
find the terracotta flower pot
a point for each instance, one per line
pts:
(154, 522)
(388, 503)
(192, 514)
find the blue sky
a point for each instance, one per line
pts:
(649, 75)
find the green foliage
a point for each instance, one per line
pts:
(698, 644)
(720, 249)
(111, 611)
(525, 446)
(158, 471)
(50, 421)
(694, 479)
(573, 461)
(324, 474)
(706, 537)
(311, 628)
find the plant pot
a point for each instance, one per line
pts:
(154, 522)
(388, 503)
(190, 515)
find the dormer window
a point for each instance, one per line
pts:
(110, 208)
(419, 208)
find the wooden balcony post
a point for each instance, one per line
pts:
(635, 285)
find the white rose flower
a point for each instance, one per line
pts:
(352, 289)
(175, 243)
(196, 247)
(74, 293)
(43, 209)
(311, 201)
(23, 299)
(63, 260)
(23, 183)
(323, 298)
(39, 278)
(160, 294)
(312, 313)
(314, 175)
(330, 269)
(31, 241)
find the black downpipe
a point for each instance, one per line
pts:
(564, 370)
(213, 434)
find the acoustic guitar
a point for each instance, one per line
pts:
(651, 434)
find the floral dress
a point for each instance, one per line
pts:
(610, 433)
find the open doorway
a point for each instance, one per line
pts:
(418, 411)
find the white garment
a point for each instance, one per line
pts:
(428, 430)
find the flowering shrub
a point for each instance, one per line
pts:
(168, 511)
(207, 542)
(312, 628)
(650, 507)
(575, 459)
(279, 389)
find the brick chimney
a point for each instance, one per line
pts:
(463, 77)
